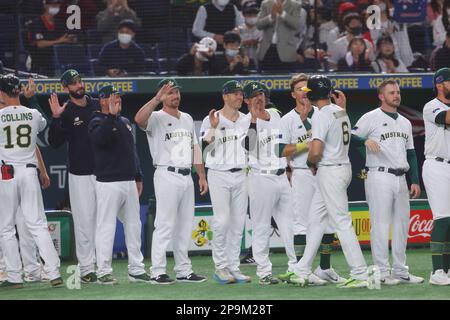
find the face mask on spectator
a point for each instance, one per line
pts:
(223, 3)
(356, 31)
(53, 11)
(391, 12)
(251, 21)
(124, 38)
(382, 6)
(231, 52)
(201, 57)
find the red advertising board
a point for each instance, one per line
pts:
(420, 226)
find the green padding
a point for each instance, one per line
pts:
(447, 248)
(326, 248)
(437, 247)
(300, 239)
(299, 249)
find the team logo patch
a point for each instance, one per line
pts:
(202, 235)
(77, 121)
(362, 174)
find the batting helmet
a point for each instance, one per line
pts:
(10, 84)
(318, 87)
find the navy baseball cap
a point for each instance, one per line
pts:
(10, 84)
(441, 75)
(106, 91)
(231, 86)
(252, 88)
(70, 76)
(170, 81)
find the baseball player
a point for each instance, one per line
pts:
(390, 153)
(297, 126)
(436, 174)
(223, 132)
(19, 184)
(269, 189)
(70, 124)
(117, 171)
(328, 159)
(174, 149)
(3, 275)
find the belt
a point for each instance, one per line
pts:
(439, 159)
(395, 172)
(184, 172)
(235, 169)
(30, 165)
(278, 172)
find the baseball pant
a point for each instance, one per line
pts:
(118, 199)
(270, 195)
(333, 182)
(28, 249)
(388, 199)
(84, 207)
(229, 198)
(436, 178)
(173, 223)
(24, 191)
(2, 260)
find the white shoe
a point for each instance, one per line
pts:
(314, 280)
(329, 275)
(410, 279)
(389, 281)
(439, 278)
(223, 276)
(3, 276)
(29, 278)
(240, 277)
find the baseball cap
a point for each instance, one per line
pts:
(129, 24)
(170, 81)
(107, 91)
(70, 76)
(346, 6)
(10, 84)
(441, 75)
(250, 7)
(252, 88)
(231, 86)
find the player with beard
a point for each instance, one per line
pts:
(70, 124)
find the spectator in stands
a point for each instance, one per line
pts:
(108, 20)
(343, 9)
(284, 26)
(434, 10)
(386, 61)
(235, 61)
(442, 54)
(198, 61)
(338, 50)
(441, 24)
(215, 18)
(44, 33)
(398, 33)
(250, 35)
(123, 56)
(357, 58)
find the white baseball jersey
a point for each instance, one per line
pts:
(19, 127)
(394, 136)
(227, 151)
(331, 125)
(269, 135)
(171, 140)
(296, 132)
(437, 137)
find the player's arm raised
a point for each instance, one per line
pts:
(214, 122)
(144, 113)
(57, 134)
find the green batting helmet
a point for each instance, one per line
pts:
(318, 87)
(10, 84)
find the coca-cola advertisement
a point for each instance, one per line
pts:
(420, 226)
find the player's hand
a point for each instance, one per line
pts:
(162, 93)
(56, 108)
(44, 179)
(140, 187)
(30, 89)
(115, 104)
(203, 186)
(340, 99)
(214, 118)
(372, 145)
(65, 38)
(415, 191)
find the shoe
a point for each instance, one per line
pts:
(240, 277)
(56, 283)
(143, 277)
(223, 276)
(297, 281)
(439, 278)
(352, 283)
(268, 280)
(11, 285)
(91, 277)
(248, 259)
(314, 281)
(107, 279)
(329, 275)
(192, 278)
(284, 277)
(389, 281)
(411, 279)
(162, 279)
(3, 276)
(29, 278)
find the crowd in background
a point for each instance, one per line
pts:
(224, 37)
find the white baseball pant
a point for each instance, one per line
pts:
(436, 177)
(28, 249)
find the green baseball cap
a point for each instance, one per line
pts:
(70, 76)
(441, 75)
(170, 81)
(231, 86)
(252, 88)
(106, 91)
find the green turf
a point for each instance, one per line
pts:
(418, 260)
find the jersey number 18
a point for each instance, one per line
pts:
(23, 136)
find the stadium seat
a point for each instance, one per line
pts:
(72, 56)
(151, 58)
(168, 54)
(93, 51)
